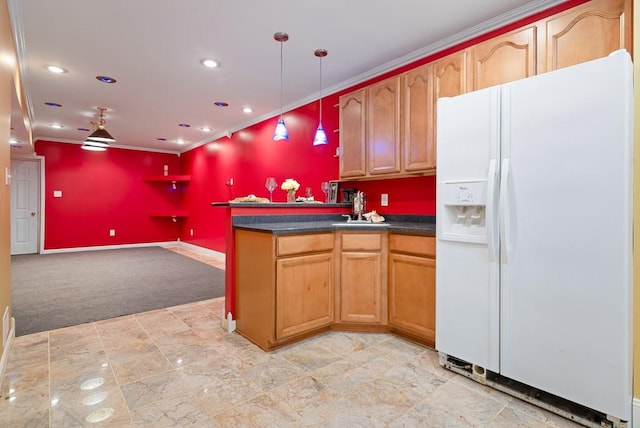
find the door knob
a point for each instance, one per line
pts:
(33, 213)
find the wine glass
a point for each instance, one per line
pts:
(271, 184)
(325, 188)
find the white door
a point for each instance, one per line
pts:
(566, 273)
(467, 288)
(25, 196)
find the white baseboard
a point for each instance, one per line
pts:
(205, 251)
(7, 350)
(110, 247)
(636, 413)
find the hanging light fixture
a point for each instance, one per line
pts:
(281, 132)
(321, 136)
(100, 137)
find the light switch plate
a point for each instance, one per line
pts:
(57, 193)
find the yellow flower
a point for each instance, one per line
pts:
(290, 184)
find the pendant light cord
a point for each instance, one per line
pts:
(281, 84)
(320, 90)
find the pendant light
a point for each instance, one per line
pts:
(281, 132)
(99, 140)
(321, 136)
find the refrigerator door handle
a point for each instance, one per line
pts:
(492, 229)
(506, 217)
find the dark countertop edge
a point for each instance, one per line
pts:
(289, 228)
(280, 205)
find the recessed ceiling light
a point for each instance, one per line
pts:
(50, 104)
(56, 69)
(184, 125)
(106, 79)
(56, 126)
(206, 129)
(180, 141)
(83, 129)
(161, 139)
(247, 110)
(209, 63)
(13, 141)
(221, 104)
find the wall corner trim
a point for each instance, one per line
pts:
(7, 350)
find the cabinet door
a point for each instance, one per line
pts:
(450, 75)
(504, 59)
(352, 134)
(587, 32)
(304, 294)
(360, 287)
(383, 127)
(417, 119)
(450, 78)
(412, 295)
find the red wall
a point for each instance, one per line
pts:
(102, 191)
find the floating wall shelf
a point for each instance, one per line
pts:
(170, 178)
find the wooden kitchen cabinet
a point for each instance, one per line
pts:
(304, 293)
(362, 296)
(589, 31)
(418, 138)
(412, 292)
(383, 127)
(284, 286)
(353, 111)
(504, 59)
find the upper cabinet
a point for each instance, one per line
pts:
(504, 59)
(451, 75)
(590, 31)
(352, 134)
(383, 127)
(418, 138)
(388, 129)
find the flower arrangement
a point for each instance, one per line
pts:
(290, 185)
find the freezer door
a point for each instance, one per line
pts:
(467, 297)
(566, 237)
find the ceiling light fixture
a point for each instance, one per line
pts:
(56, 126)
(281, 132)
(209, 63)
(56, 69)
(106, 79)
(247, 110)
(321, 136)
(98, 140)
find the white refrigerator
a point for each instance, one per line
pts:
(534, 232)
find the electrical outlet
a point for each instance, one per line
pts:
(191, 232)
(384, 200)
(112, 232)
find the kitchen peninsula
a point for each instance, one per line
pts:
(294, 270)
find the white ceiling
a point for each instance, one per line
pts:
(154, 47)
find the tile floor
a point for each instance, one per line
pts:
(177, 367)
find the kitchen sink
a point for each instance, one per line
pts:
(359, 223)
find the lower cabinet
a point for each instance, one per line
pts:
(284, 286)
(363, 285)
(294, 286)
(412, 305)
(304, 294)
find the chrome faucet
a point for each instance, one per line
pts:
(358, 205)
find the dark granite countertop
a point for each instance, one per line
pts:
(292, 224)
(280, 204)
